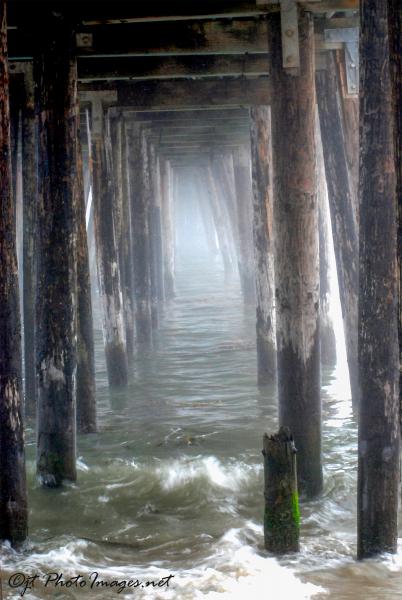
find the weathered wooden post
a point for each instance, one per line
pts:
(122, 220)
(296, 251)
(86, 391)
(206, 216)
(29, 207)
(55, 75)
(379, 421)
(13, 498)
(219, 221)
(343, 218)
(395, 28)
(106, 251)
(137, 161)
(224, 184)
(243, 198)
(261, 160)
(282, 516)
(158, 241)
(327, 334)
(16, 95)
(167, 228)
(155, 233)
(127, 250)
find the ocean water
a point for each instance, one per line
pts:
(172, 484)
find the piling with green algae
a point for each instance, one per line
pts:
(282, 516)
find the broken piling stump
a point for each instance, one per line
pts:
(281, 516)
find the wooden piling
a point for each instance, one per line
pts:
(55, 75)
(224, 182)
(219, 220)
(29, 208)
(296, 251)
(86, 391)
(121, 219)
(282, 516)
(155, 242)
(127, 250)
(379, 424)
(157, 225)
(395, 28)
(206, 217)
(261, 158)
(243, 199)
(327, 333)
(13, 498)
(167, 228)
(343, 217)
(106, 253)
(137, 160)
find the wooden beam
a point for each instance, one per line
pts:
(163, 139)
(183, 117)
(160, 95)
(108, 13)
(234, 36)
(169, 67)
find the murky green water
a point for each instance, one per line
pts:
(172, 483)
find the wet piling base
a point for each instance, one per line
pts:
(281, 516)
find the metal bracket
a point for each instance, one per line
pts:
(98, 101)
(350, 37)
(290, 34)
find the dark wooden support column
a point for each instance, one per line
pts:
(379, 422)
(55, 75)
(343, 218)
(167, 228)
(16, 98)
(29, 208)
(395, 28)
(13, 498)
(296, 251)
(86, 391)
(327, 334)
(137, 160)
(243, 197)
(107, 252)
(261, 160)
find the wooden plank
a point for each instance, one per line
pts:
(167, 67)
